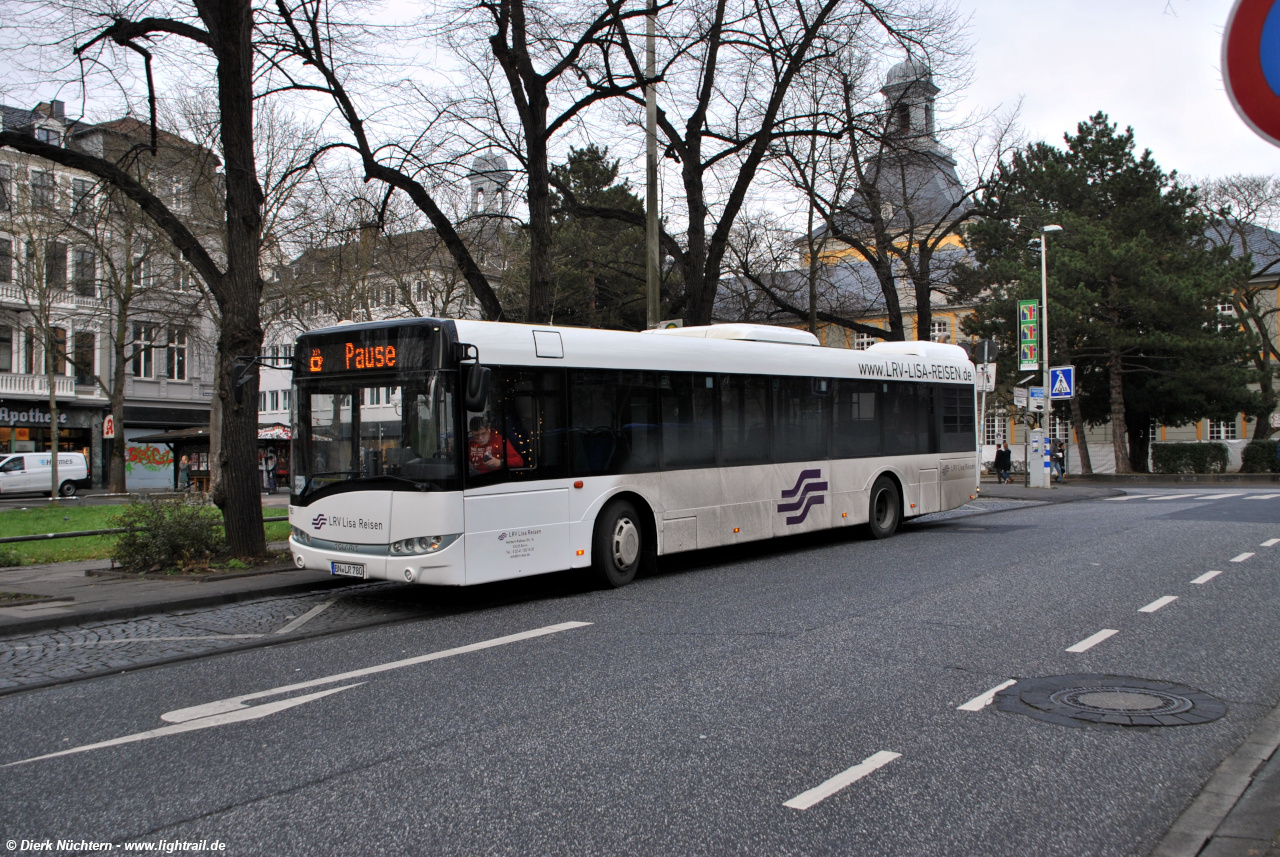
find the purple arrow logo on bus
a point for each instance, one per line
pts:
(805, 498)
(319, 521)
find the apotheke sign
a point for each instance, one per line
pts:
(31, 416)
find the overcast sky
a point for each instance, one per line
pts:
(1151, 64)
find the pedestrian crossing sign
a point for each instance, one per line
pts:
(1062, 382)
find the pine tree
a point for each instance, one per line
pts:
(597, 263)
(1134, 284)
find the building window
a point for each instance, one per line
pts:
(284, 397)
(262, 402)
(141, 271)
(183, 278)
(6, 187)
(55, 266)
(175, 355)
(993, 429)
(84, 272)
(83, 357)
(144, 340)
(43, 187)
(940, 330)
(82, 200)
(274, 396)
(6, 349)
(863, 341)
(55, 352)
(47, 135)
(1222, 429)
(1059, 428)
(29, 351)
(6, 260)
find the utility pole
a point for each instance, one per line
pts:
(653, 258)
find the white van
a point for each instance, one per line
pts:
(29, 472)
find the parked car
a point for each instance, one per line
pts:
(29, 472)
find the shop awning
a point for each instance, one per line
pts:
(276, 431)
(176, 436)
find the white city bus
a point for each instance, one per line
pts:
(462, 452)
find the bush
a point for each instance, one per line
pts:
(170, 534)
(1260, 457)
(1189, 457)
(10, 557)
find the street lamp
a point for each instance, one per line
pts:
(1044, 345)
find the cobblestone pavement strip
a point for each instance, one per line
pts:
(76, 651)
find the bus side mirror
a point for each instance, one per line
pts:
(477, 392)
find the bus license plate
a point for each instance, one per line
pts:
(348, 569)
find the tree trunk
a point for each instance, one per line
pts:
(539, 196)
(1118, 425)
(1082, 445)
(1139, 428)
(116, 482)
(239, 295)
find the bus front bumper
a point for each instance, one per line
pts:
(443, 568)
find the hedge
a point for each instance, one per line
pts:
(1189, 457)
(1260, 457)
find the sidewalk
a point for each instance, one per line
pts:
(82, 599)
(1067, 492)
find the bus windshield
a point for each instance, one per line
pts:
(352, 434)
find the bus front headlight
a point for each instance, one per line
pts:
(422, 545)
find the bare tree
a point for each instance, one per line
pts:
(223, 31)
(1242, 212)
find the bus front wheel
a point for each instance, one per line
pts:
(618, 546)
(886, 508)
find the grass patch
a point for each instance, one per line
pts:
(45, 517)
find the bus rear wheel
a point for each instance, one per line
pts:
(618, 547)
(886, 508)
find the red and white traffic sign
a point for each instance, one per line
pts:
(108, 427)
(1251, 65)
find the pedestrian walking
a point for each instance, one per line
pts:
(1059, 459)
(1004, 463)
(184, 473)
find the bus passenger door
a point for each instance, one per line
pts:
(516, 533)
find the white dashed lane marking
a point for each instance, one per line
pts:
(1162, 601)
(1269, 542)
(1242, 556)
(982, 700)
(1089, 642)
(1219, 496)
(1206, 577)
(1128, 497)
(1262, 496)
(819, 793)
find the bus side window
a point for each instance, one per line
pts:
(744, 419)
(688, 420)
(801, 419)
(857, 422)
(958, 418)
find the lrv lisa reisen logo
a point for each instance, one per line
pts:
(805, 496)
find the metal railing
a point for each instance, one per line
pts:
(113, 531)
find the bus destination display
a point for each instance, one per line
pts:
(359, 352)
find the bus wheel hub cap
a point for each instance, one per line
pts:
(626, 542)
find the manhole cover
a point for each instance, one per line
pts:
(1109, 701)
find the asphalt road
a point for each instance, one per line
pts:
(696, 711)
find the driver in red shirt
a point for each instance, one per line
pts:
(485, 448)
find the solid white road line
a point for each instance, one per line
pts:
(305, 617)
(1162, 601)
(1262, 496)
(982, 700)
(1219, 496)
(1175, 497)
(1089, 642)
(1206, 577)
(192, 725)
(1243, 556)
(236, 703)
(1129, 497)
(1269, 542)
(820, 793)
